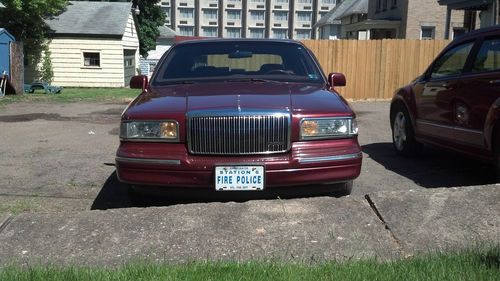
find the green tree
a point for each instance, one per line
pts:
(150, 18)
(24, 19)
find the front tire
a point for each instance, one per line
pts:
(403, 135)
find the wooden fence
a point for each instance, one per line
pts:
(374, 69)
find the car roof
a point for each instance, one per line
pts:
(491, 30)
(237, 40)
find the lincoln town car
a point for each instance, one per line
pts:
(239, 115)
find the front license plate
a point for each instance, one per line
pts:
(239, 178)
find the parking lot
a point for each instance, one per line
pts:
(59, 157)
(56, 165)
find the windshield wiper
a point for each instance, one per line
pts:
(253, 80)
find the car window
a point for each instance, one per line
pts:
(452, 62)
(488, 58)
(210, 61)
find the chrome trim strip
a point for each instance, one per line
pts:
(148, 161)
(330, 158)
(449, 127)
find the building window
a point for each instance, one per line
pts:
(209, 31)
(281, 15)
(233, 32)
(186, 31)
(281, 1)
(458, 31)
(303, 34)
(258, 1)
(427, 32)
(234, 14)
(92, 59)
(304, 16)
(394, 4)
(305, 1)
(379, 5)
(257, 15)
(210, 14)
(280, 33)
(329, 1)
(256, 33)
(186, 13)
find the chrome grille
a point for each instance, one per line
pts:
(238, 133)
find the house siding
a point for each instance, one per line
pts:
(419, 16)
(69, 71)
(130, 38)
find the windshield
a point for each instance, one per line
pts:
(235, 61)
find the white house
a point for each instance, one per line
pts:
(94, 44)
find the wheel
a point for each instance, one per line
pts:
(496, 149)
(403, 136)
(340, 189)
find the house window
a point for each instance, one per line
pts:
(427, 32)
(234, 14)
(394, 4)
(186, 31)
(92, 59)
(210, 31)
(280, 33)
(186, 13)
(257, 15)
(384, 5)
(303, 34)
(210, 14)
(233, 32)
(256, 33)
(304, 16)
(458, 31)
(281, 15)
(379, 5)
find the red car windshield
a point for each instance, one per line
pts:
(235, 61)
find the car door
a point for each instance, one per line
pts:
(435, 91)
(480, 89)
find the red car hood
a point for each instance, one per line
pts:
(298, 98)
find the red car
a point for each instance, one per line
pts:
(455, 103)
(239, 115)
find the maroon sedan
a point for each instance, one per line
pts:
(239, 115)
(455, 104)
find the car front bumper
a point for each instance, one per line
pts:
(168, 164)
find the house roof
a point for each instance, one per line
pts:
(465, 4)
(166, 32)
(86, 18)
(5, 32)
(345, 8)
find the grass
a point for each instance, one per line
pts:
(465, 265)
(76, 95)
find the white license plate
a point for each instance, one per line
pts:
(239, 178)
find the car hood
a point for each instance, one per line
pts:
(298, 98)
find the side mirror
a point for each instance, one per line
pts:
(139, 82)
(336, 80)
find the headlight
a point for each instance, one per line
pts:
(150, 130)
(324, 128)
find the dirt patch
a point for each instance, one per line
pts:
(33, 116)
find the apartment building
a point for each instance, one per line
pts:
(292, 19)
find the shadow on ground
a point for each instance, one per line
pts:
(433, 167)
(115, 194)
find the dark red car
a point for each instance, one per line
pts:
(239, 115)
(455, 103)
